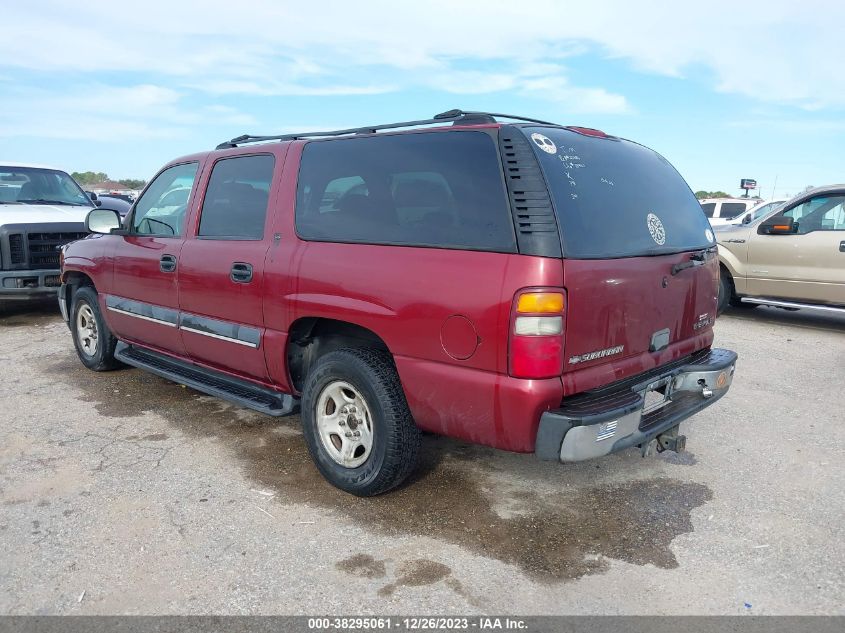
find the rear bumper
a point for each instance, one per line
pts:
(604, 421)
(28, 284)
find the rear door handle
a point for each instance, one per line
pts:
(167, 263)
(842, 247)
(241, 273)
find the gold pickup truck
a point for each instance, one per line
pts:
(792, 258)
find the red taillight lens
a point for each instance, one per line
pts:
(536, 335)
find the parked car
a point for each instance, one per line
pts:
(509, 284)
(792, 258)
(725, 210)
(121, 204)
(764, 208)
(41, 209)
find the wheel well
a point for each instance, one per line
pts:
(311, 337)
(74, 280)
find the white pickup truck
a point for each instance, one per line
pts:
(41, 209)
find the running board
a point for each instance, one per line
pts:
(792, 304)
(208, 381)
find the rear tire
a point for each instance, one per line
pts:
(92, 338)
(356, 422)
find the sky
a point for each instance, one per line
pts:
(724, 90)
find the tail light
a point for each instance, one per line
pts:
(536, 336)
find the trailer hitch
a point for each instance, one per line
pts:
(671, 441)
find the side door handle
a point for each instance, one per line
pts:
(167, 263)
(241, 273)
(842, 246)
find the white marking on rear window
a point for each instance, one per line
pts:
(544, 143)
(655, 227)
(569, 166)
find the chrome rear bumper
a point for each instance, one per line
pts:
(634, 411)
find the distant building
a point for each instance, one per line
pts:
(112, 187)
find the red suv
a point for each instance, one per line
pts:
(524, 285)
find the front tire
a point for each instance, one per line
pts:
(726, 289)
(356, 422)
(727, 294)
(92, 338)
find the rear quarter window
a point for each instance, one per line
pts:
(436, 189)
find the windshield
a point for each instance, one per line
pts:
(614, 198)
(32, 185)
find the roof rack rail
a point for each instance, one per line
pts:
(456, 116)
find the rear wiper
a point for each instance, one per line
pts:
(698, 258)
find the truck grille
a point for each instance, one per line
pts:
(16, 249)
(44, 247)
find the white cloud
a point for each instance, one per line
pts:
(777, 51)
(582, 100)
(276, 88)
(95, 111)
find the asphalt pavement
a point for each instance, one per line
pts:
(123, 493)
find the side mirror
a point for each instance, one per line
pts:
(777, 225)
(747, 219)
(102, 221)
(94, 198)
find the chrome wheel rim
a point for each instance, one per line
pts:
(86, 330)
(344, 424)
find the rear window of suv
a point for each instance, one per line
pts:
(436, 189)
(614, 198)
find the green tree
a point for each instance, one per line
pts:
(132, 183)
(89, 177)
(711, 194)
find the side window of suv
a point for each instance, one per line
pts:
(235, 204)
(822, 213)
(442, 190)
(161, 210)
(708, 208)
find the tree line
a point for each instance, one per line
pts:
(711, 194)
(95, 177)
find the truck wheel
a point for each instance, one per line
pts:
(726, 290)
(92, 338)
(356, 422)
(727, 295)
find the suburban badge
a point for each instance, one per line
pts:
(583, 358)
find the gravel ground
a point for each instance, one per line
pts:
(122, 493)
